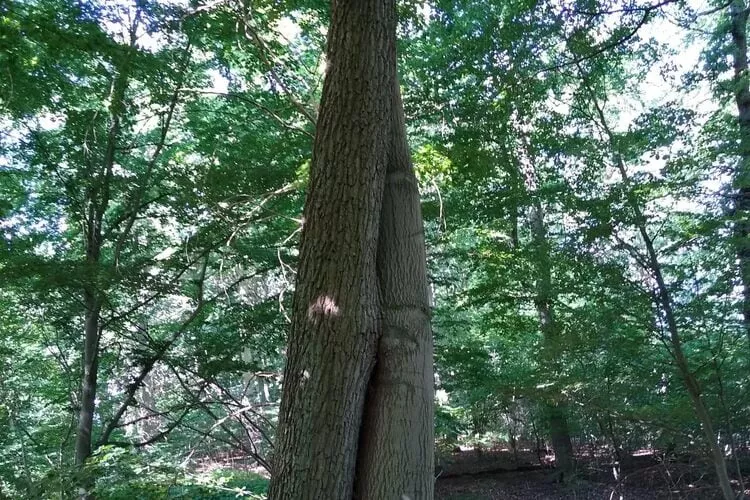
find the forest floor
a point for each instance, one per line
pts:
(472, 475)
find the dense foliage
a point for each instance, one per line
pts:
(582, 168)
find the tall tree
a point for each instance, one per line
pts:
(97, 202)
(356, 413)
(738, 28)
(555, 410)
(663, 297)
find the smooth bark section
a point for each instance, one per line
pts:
(738, 15)
(396, 459)
(336, 316)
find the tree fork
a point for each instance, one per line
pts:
(362, 247)
(396, 457)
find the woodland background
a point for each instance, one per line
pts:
(588, 156)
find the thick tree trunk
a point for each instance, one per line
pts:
(739, 15)
(361, 296)
(560, 436)
(398, 429)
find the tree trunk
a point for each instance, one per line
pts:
(358, 388)
(560, 437)
(683, 367)
(398, 429)
(665, 305)
(555, 410)
(691, 384)
(739, 14)
(88, 381)
(97, 203)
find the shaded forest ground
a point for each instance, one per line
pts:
(479, 475)
(493, 474)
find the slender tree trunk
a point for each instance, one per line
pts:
(665, 305)
(683, 367)
(357, 399)
(616, 443)
(666, 309)
(554, 411)
(728, 422)
(739, 14)
(89, 379)
(516, 189)
(91, 335)
(98, 198)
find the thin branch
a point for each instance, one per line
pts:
(624, 10)
(148, 366)
(243, 98)
(140, 191)
(263, 51)
(602, 48)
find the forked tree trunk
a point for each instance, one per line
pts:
(357, 400)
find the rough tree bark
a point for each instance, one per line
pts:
(356, 410)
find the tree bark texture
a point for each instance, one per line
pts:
(397, 447)
(356, 410)
(738, 16)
